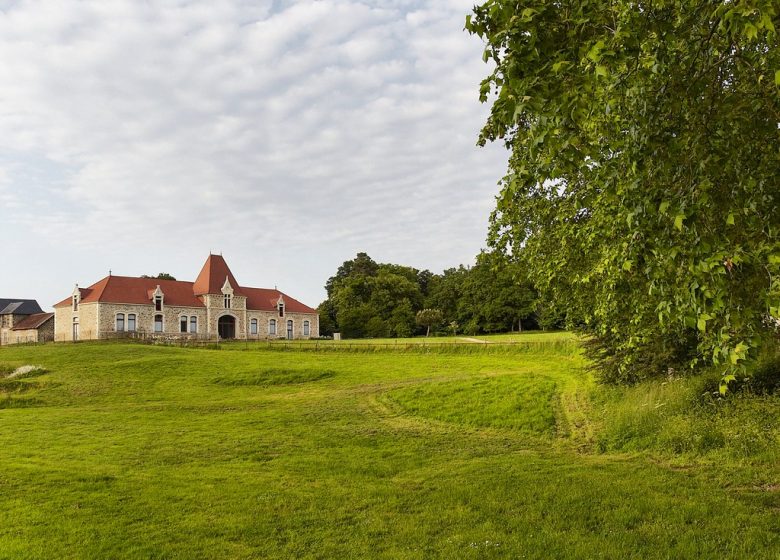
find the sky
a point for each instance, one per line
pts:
(139, 136)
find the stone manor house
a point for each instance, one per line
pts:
(214, 306)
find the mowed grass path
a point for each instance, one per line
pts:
(129, 451)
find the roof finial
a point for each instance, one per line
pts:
(109, 272)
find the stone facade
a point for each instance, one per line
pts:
(23, 321)
(44, 333)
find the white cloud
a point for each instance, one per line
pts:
(288, 135)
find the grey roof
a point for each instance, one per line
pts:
(19, 306)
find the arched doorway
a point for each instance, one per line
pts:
(226, 326)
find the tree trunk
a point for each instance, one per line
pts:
(427, 332)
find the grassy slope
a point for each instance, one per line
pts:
(150, 452)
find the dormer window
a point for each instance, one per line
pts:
(75, 303)
(157, 298)
(280, 307)
(227, 293)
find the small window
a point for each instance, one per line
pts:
(290, 329)
(272, 326)
(253, 326)
(158, 303)
(75, 303)
(281, 309)
(158, 323)
(305, 328)
(75, 328)
(183, 324)
(227, 301)
(131, 322)
(193, 324)
(120, 322)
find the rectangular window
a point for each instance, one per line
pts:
(120, 322)
(305, 328)
(281, 310)
(193, 324)
(158, 303)
(131, 322)
(75, 303)
(227, 301)
(253, 326)
(272, 327)
(183, 324)
(158, 323)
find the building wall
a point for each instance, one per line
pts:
(264, 321)
(99, 319)
(88, 322)
(215, 308)
(44, 333)
(144, 317)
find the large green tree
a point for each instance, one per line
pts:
(644, 173)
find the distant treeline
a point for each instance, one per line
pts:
(369, 299)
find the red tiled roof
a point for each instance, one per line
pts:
(126, 289)
(263, 299)
(212, 277)
(32, 321)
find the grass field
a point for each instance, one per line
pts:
(132, 451)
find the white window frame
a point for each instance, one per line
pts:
(135, 318)
(306, 328)
(186, 324)
(272, 327)
(162, 323)
(116, 322)
(253, 326)
(194, 323)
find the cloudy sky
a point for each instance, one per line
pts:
(138, 136)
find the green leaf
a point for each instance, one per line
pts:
(594, 53)
(627, 266)
(777, 77)
(678, 221)
(730, 219)
(602, 71)
(663, 207)
(701, 324)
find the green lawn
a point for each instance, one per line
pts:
(131, 451)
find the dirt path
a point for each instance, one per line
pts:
(475, 340)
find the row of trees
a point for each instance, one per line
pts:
(368, 299)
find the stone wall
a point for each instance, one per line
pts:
(264, 320)
(44, 333)
(144, 317)
(99, 319)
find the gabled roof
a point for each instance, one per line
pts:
(263, 299)
(32, 322)
(19, 307)
(212, 277)
(127, 289)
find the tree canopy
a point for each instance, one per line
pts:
(642, 187)
(367, 299)
(160, 276)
